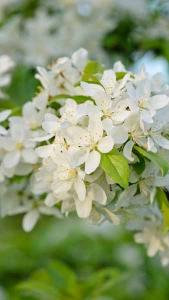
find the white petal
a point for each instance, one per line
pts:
(23, 169)
(17, 128)
(79, 58)
(159, 101)
(4, 115)
(30, 220)
(44, 151)
(95, 91)
(80, 189)
(146, 116)
(50, 123)
(50, 200)
(3, 131)
(28, 110)
(83, 207)
(61, 186)
(150, 145)
(106, 144)
(153, 247)
(77, 136)
(119, 134)
(78, 157)
(29, 156)
(95, 127)
(42, 138)
(11, 159)
(92, 162)
(127, 151)
(108, 80)
(99, 194)
(132, 100)
(161, 141)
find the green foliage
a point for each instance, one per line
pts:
(120, 75)
(92, 71)
(54, 101)
(140, 165)
(156, 158)
(23, 85)
(65, 260)
(116, 167)
(164, 206)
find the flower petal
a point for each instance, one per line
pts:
(4, 115)
(3, 131)
(11, 159)
(127, 151)
(161, 141)
(95, 127)
(159, 101)
(80, 189)
(29, 156)
(99, 194)
(83, 207)
(92, 162)
(96, 92)
(44, 151)
(30, 220)
(106, 144)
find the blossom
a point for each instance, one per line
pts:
(141, 100)
(17, 144)
(107, 96)
(64, 74)
(88, 143)
(101, 151)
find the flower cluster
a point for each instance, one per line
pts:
(94, 142)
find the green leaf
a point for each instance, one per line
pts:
(140, 165)
(156, 158)
(91, 72)
(23, 85)
(120, 75)
(164, 206)
(79, 99)
(116, 167)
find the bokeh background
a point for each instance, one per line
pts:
(69, 259)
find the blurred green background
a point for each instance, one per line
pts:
(69, 260)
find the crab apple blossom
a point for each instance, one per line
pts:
(92, 142)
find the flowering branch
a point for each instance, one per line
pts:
(94, 142)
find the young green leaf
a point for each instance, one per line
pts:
(116, 167)
(91, 71)
(120, 75)
(156, 158)
(164, 206)
(79, 99)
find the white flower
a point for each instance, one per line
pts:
(64, 74)
(152, 238)
(94, 194)
(108, 96)
(65, 178)
(87, 143)
(17, 144)
(140, 100)
(33, 112)
(31, 217)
